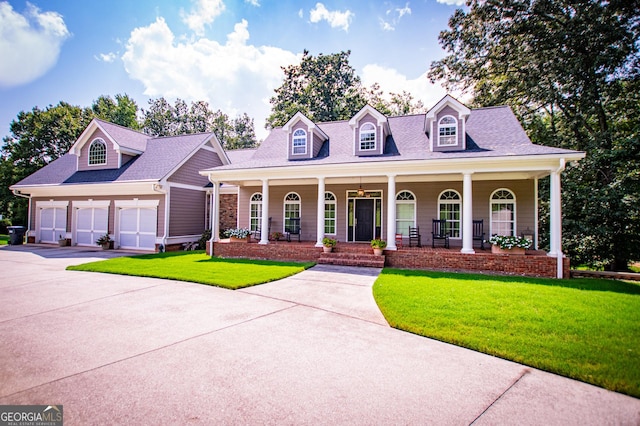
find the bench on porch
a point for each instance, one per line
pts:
(478, 232)
(292, 227)
(439, 232)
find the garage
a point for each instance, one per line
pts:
(137, 225)
(52, 220)
(91, 221)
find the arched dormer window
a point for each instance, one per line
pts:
(299, 143)
(447, 131)
(97, 153)
(367, 137)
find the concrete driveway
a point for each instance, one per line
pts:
(310, 349)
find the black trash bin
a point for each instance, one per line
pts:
(16, 235)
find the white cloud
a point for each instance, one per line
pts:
(395, 15)
(106, 57)
(29, 44)
(452, 2)
(255, 3)
(203, 13)
(391, 80)
(334, 18)
(236, 77)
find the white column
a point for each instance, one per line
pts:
(555, 220)
(264, 225)
(320, 218)
(467, 214)
(391, 212)
(215, 213)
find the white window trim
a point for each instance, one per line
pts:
(375, 137)
(284, 207)
(127, 204)
(90, 203)
(455, 125)
(51, 203)
(515, 206)
(101, 141)
(414, 202)
(335, 210)
(306, 142)
(459, 203)
(253, 202)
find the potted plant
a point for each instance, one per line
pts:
(328, 244)
(105, 241)
(62, 241)
(509, 244)
(276, 236)
(238, 234)
(378, 245)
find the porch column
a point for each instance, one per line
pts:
(391, 212)
(320, 216)
(215, 213)
(264, 225)
(555, 219)
(467, 214)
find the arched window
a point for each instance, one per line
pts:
(329, 213)
(367, 137)
(97, 153)
(291, 209)
(405, 212)
(447, 131)
(255, 208)
(299, 142)
(449, 209)
(503, 212)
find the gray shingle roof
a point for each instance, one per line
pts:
(160, 157)
(125, 137)
(491, 132)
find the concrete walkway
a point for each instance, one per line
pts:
(310, 349)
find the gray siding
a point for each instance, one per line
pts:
(112, 155)
(188, 172)
(186, 212)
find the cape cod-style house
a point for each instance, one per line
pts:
(376, 177)
(466, 171)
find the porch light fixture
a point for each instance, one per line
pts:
(360, 190)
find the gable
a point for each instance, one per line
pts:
(304, 138)
(370, 131)
(445, 124)
(112, 159)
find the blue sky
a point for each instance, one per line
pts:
(228, 53)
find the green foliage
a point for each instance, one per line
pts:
(323, 88)
(197, 267)
(329, 242)
(204, 238)
(378, 243)
(123, 111)
(585, 329)
(570, 72)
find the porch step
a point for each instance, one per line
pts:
(352, 259)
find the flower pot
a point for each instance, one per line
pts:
(106, 246)
(377, 251)
(515, 250)
(239, 240)
(327, 249)
(62, 242)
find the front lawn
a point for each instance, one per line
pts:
(586, 329)
(197, 267)
(4, 240)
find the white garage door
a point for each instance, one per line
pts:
(91, 224)
(138, 228)
(53, 224)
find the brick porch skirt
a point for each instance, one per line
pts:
(534, 263)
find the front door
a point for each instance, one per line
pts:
(364, 219)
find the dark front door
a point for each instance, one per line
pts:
(364, 220)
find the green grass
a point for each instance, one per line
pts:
(4, 240)
(586, 329)
(197, 267)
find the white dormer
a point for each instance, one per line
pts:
(304, 137)
(446, 125)
(370, 131)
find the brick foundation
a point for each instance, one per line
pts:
(534, 263)
(228, 211)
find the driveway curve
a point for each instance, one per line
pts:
(309, 349)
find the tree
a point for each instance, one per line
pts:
(567, 69)
(123, 111)
(324, 88)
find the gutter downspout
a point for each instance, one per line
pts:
(28, 197)
(160, 187)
